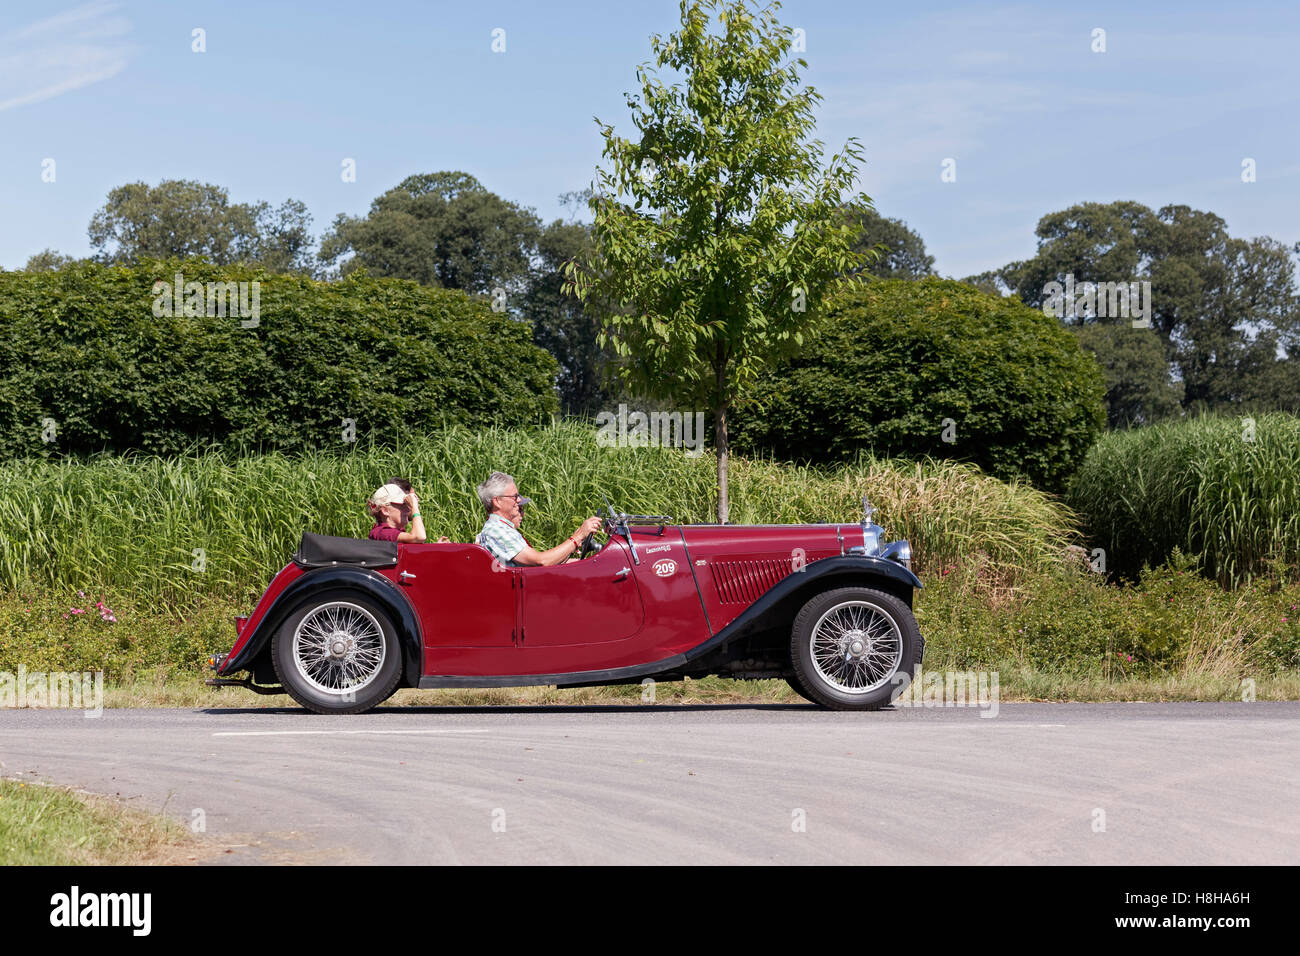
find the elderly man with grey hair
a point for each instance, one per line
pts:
(500, 535)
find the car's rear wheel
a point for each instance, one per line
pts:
(338, 654)
(854, 648)
(799, 689)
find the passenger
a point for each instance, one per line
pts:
(393, 506)
(500, 535)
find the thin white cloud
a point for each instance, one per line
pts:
(1018, 75)
(65, 52)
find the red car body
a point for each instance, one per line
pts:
(657, 600)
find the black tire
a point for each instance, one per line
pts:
(875, 628)
(799, 689)
(358, 671)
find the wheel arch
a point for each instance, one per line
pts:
(847, 577)
(774, 613)
(777, 608)
(256, 655)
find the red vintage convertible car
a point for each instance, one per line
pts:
(828, 607)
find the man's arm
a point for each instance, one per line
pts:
(556, 555)
(561, 552)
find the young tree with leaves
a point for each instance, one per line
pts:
(717, 234)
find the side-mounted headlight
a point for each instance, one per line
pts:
(899, 551)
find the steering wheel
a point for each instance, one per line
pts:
(589, 546)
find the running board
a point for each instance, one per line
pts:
(243, 682)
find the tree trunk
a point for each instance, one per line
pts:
(720, 433)
(720, 440)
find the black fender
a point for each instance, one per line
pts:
(372, 585)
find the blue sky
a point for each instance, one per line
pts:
(1035, 120)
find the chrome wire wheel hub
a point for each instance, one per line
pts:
(339, 648)
(856, 647)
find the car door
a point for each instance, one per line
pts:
(595, 601)
(463, 597)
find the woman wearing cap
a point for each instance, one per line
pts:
(393, 507)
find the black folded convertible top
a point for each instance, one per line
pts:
(321, 551)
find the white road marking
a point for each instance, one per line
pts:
(298, 733)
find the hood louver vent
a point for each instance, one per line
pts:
(744, 582)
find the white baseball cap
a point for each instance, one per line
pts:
(388, 495)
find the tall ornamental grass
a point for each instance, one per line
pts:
(207, 523)
(1224, 489)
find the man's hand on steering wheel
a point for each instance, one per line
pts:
(585, 536)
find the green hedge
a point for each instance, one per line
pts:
(83, 346)
(899, 357)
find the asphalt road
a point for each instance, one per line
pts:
(1184, 783)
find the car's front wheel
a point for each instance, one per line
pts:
(853, 648)
(338, 654)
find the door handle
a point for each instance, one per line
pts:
(406, 577)
(620, 575)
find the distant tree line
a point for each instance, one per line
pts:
(1224, 312)
(1224, 325)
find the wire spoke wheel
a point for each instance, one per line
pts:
(339, 648)
(856, 647)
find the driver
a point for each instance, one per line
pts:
(500, 535)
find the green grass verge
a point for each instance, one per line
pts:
(54, 826)
(137, 565)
